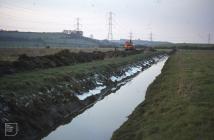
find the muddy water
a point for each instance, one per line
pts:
(101, 120)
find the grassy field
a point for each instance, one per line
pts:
(29, 82)
(179, 105)
(11, 54)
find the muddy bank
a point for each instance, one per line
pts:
(39, 113)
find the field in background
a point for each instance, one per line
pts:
(36, 39)
(11, 54)
(179, 103)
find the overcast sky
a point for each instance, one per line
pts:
(168, 20)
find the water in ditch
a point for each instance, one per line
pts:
(100, 121)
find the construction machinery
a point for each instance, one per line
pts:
(129, 45)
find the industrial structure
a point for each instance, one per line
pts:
(110, 33)
(74, 33)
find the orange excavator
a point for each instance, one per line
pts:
(129, 45)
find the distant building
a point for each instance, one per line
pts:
(73, 33)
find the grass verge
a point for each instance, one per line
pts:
(179, 104)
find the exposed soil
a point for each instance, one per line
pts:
(38, 114)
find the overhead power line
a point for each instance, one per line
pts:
(130, 35)
(78, 24)
(110, 33)
(151, 37)
(209, 38)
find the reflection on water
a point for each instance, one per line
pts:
(101, 120)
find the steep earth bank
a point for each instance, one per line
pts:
(40, 101)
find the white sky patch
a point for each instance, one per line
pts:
(169, 20)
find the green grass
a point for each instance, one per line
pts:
(179, 105)
(30, 82)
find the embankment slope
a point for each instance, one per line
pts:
(39, 100)
(179, 104)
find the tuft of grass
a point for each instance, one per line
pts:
(179, 105)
